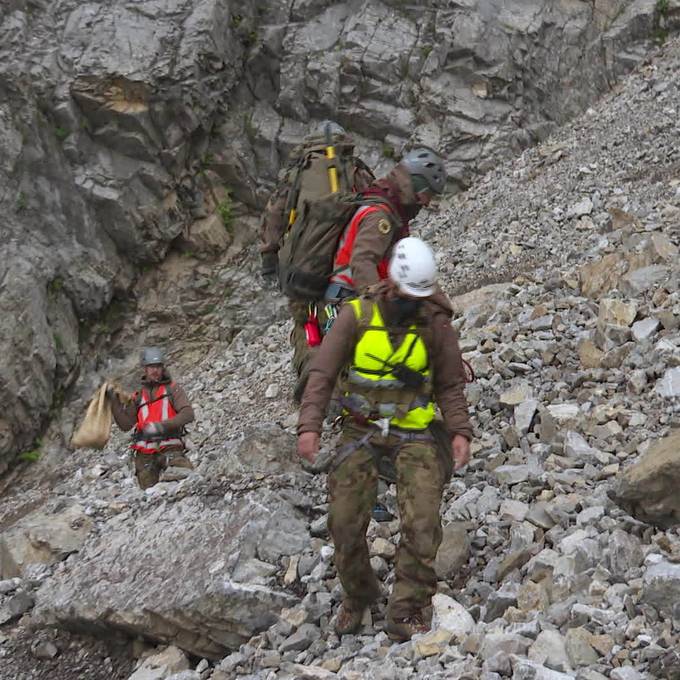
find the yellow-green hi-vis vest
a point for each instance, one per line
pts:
(370, 388)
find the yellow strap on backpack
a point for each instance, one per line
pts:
(332, 169)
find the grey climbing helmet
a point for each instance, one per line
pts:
(152, 355)
(426, 168)
(334, 128)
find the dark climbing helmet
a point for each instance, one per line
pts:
(152, 355)
(426, 168)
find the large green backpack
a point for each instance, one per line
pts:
(307, 256)
(309, 247)
(308, 167)
(318, 216)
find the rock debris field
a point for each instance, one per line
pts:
(561, 553)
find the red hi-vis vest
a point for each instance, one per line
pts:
(341, 267)
(155, 411)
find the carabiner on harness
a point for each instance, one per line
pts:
(312, 329)
(331, 311)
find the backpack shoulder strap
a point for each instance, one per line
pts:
(424, 330)
(366, 313)
(363, 312)
(170, 392)
(360, 165)
(294, 180)
(381, 201)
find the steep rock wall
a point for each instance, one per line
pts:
(121, 124)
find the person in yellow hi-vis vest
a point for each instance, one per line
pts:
(396, 355)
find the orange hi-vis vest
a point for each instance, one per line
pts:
(341, 267)
(155, 410)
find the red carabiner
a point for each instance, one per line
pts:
(312, 330)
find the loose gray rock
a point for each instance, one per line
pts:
(305, 635)
(549, 649)
(661, 586)
(648, 489)
(44, 649)
(579, 649)
(454, 550)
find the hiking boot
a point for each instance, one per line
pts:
(348, 619)
(404, 629)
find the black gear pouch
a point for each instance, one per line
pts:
(413, 380)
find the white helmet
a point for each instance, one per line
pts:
(413, 268)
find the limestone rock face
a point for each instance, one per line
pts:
(42, 538)
(123, 124)
(105, 112)
(648, 490)
(169, 575)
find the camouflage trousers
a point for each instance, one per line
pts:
(148, 466)
(353, 489)
(302, 352)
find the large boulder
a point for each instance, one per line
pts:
(266, 449)
(648, 490)
(179, 573)
(661, 587)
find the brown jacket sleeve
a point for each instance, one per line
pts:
(274, 221)
(125, 415)
(372, 244)
(449, 378)
(185, 412)
(334, 354)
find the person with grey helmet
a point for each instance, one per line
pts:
(159, 412)
(361, 260)
(427, 170)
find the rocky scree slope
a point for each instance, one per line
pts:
(542, 575)
(124, 124)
